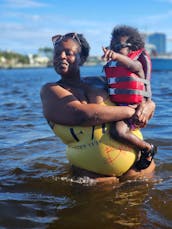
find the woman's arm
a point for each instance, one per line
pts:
(62, 107)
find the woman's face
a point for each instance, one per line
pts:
(66, 58)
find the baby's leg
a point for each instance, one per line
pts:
(121, 131)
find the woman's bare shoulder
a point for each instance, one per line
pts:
(52, 89)
(48, 86)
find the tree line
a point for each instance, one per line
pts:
(11, 58)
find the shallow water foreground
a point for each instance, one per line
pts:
(36, 186)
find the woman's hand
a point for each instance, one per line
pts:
(144, 112)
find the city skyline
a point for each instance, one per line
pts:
(28, 25)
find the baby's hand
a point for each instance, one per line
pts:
(108, 54)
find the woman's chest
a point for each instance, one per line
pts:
(80, 94)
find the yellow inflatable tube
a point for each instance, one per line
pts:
(91, 148)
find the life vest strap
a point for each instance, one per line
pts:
(113, 80)
(117, 91)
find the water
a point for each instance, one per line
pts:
(36, 187)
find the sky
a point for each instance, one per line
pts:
(27, 25)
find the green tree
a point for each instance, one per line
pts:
(46, 51)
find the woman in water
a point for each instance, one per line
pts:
(80, 115)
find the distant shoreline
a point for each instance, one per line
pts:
(24, 66)
(159, 63)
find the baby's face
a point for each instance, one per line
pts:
(120, 45)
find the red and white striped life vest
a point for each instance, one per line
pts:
(124, 85)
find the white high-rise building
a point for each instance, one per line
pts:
(159, 41)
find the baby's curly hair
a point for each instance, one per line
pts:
(134, 37)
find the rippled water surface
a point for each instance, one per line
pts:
(36, 186)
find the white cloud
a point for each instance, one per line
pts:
(159, 17)
(23, 3)
(34, 28)
(169, 1)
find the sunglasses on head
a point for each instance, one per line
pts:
(57, 38)
(117, 47)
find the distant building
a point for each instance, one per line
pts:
(159, 41)
(38, 60)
